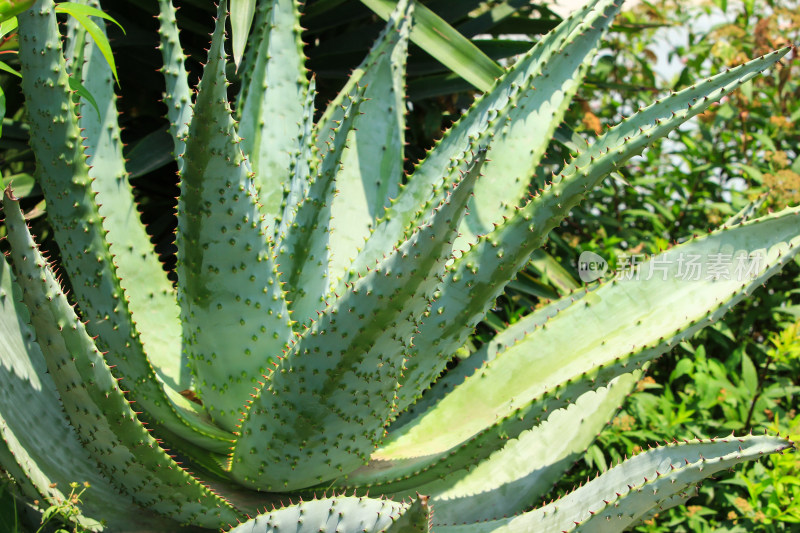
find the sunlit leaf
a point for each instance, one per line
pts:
(445, 43)
(83, 92)
(81, 13)
(11, 8)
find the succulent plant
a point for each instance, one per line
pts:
(299, 362)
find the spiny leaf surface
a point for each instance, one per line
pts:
(324, 406)
(272, 111)
(234, 316)
(97, 408)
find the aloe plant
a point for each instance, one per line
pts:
(299, 362)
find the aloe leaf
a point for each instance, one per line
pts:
(467, 366)
(229, 291)
(415, 519)
(151, 297)
(45, 457)
(339, 513)
(272, 113)
(446, 44)
(526, 468)
(536, 375)
(468, 291)
(748, 211)
(93, 400)
(487, 117)
(304, 247)
(303, 168)
(66, 185)
(624, 493)
(524, 127)
(64, 177)
(178, 95)
(373, 167)
(336, 386)
(678, 498)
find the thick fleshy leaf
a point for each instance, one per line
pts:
(325, 404)
(64, 177)
(304, 245)
(44, 457)
(653, 311)
(177, 95)
(272, 108)
(617, 499)
(234, 316)
(242, 12)
(526, 468)
(340, 513)
(478, 277)
(545, 76)
(372, 168)
(150, 295)
(96, 406)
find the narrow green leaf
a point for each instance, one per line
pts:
(101, 40)
(6, 68)
(83, 10)
(749, 374)
(445, 43)
(83, 92)
(8, 25)
(242, 12)
(81, 13)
